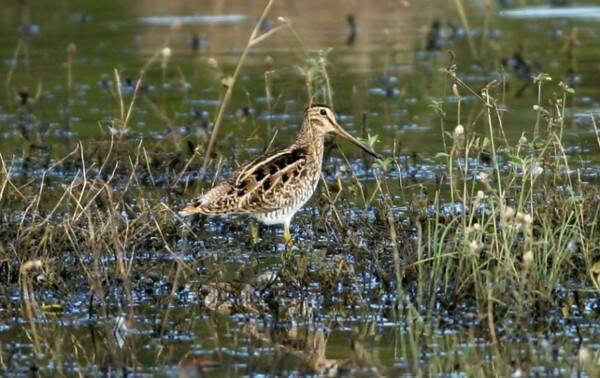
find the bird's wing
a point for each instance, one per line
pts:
(257, 186)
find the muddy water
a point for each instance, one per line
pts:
(233, 310)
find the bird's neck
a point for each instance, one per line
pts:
(311, 140)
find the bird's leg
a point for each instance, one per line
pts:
(253, 232)
(287, 236)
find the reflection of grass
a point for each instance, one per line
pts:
(519, 240)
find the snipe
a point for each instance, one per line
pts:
(274, 186)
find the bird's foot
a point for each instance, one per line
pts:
(254, 233)
(288, 241)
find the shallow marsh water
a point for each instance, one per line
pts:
(198, 298)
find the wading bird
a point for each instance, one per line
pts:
(274, 186)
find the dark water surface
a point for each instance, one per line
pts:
(219, 317)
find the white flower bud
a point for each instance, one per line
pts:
(455, 90)
(522, 140)
(212, 62)
(527, 258)
(459, 131)
(509, 212)
(473, 246)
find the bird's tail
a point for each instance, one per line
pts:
(189, 210)
(194, 208)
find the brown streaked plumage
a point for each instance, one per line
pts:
(273, 187)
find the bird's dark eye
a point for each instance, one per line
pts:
(323, 112)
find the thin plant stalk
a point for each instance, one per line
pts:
(252, 41)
